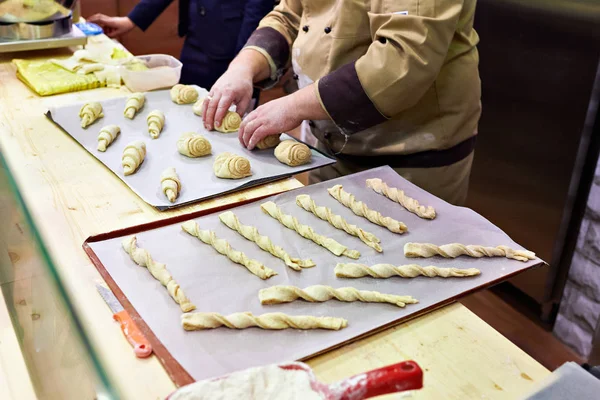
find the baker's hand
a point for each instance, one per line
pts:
(113, 26)
(272, 118)
(233, 87)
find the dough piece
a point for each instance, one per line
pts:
(134, 103)
(293, 153)
(170, 184)
(89, 68)
(184, 94)
(158, 270)
(362, 210)
(405, 271)
(243, 320)
(223, 247)
(133, 156)
(156, 123)
(193, 145)
(399, 197)
(231, 122)
(231, 166)
(307, 232)
(321, 293)
(107, 135)
(338, 222)
(89, 113)
(454, 250)
(252, 234)
(268, 142)
(197, 107)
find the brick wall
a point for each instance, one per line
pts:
(579, 312)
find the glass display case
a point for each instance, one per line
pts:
(58, 357)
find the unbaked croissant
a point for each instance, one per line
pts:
(170, 184)
(293, 153)
(197, 107)
(156, 122)
(133, 156)
(107, 135)
(191, 144)
(231, 166)
(89, 113)
(268, 142)
(183, 94)
(134, 103)
(231, 122)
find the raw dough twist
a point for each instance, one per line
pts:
(156, 122)
(183, 94)
(405, 271)
(158, 270)
(307, 232)
(243, 320)
(401, 198)
(252, 234)
(362, 210)
(134, 103)
(337, 221)
(293, 153)
(231, 122)
(221, 245)
(197, 107)
(170, 184)
(231, 166)
(321, 293)
(133, 156)
(89, 113)
(268, 142)
(193, 145)
(454, 250)
(107, 135)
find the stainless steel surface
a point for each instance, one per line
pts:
(109, 298)
(215, 284)
(75, 38)
(36, 30)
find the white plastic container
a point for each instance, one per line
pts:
(163, 71)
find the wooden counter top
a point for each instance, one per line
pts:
(71, 196)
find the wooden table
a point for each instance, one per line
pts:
(72, 196)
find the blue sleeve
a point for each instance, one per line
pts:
(254, 11)
(146, 11)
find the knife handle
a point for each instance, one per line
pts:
(141, 347)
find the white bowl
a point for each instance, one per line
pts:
(163, 71)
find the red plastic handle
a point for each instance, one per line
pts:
(406, 375)
(135, 337)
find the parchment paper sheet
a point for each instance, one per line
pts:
(196, 174)
(213, 283)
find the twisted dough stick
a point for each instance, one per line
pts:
(321, 293)
(89, 113)
(337, 221)
(220, 245)
(134, 103)
(401, 198)
(251, 233)
(454, 250)
(404, 271)
(170, 184)
(158, 271)
(107, 135)
(362, 210)
(243, 320)
(307, 232)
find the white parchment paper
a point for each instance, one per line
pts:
(196, 174)
(213, 283)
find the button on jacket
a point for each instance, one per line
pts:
(215, 30)
(396, 77)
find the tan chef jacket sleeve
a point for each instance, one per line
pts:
(274, 37)
(400, 65)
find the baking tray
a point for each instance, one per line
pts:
(215, 284)
(196, 174)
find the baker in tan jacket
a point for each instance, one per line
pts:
(381, 82)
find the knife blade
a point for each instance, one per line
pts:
(141, 347)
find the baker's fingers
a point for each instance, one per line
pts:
(222, 109)
(259, 134)
(249, 130)
(211, 109)
(242, 106)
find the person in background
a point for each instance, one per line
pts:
(215, 31)
(389, 83)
